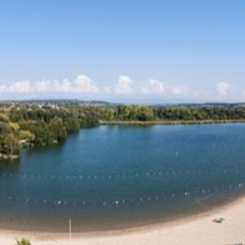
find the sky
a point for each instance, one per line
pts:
(123, 50)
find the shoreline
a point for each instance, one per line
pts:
(8, 156)
(196, 227)
(168, 123)
(13, 157)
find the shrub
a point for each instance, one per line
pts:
(22, 242)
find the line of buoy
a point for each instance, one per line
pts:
(117, 176)
(118, 202)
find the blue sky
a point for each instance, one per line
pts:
(124, 50)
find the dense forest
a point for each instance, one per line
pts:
(174, 113)
(30, 125)
(33, 126)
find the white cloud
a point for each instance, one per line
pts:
(17, 87)
(153, 87)
(180, 91)
(243, 94)
(222, 88)
(82, 85)
(42, 86)
(123, 86)
(177, 91)
(2, 89)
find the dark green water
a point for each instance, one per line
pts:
(117, 177)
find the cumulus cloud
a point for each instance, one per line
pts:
(84, 86)
(81, 85)
(222, 88)
(42, 86)
(17, 87)
(180, 91)
(153, 87)
(124, 85)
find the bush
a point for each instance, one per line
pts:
(22, 242)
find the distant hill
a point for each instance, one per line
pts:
(101, 103)
(60, 102)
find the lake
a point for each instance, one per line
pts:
(112, 177)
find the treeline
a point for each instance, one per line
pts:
(33, 126)
(28, 126)
(173, 113)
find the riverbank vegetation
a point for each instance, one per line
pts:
(32, 125)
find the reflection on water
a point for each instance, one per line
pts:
(112, 177)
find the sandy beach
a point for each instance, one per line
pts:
(196, 230)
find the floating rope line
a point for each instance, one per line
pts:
(122, 201)
(121, 176)
(200, 200)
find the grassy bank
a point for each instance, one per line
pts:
(160, 122)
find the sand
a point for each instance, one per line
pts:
(199, 230)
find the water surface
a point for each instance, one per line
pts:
(112, 177)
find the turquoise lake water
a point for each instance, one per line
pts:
(113, 177)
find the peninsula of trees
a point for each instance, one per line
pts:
(35, 125)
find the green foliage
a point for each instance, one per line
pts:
(72, 124)
(22, 242)
(30, 125)
(4, 128)
(89, 116)
(4, 117)
(145, 113)
(57, 130)
(11, 144)
(109, 114)
(27, 137)
(42, 134)
(135, 113)
(172, 113)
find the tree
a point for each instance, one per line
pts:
(4, 117)
(72, 124)
(57, 129)
(109, 114)
(27, 138)
(144, 113)
(4, 128)
(22, 242)
(11, 144)
(42, 134)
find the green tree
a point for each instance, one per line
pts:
(23, 242)
(57, 129)
(144, 113)
(11, 144)
(4, 117)
(4, 128)
(72, 124)
(42, 134)
(27, 137)
(109, 114)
